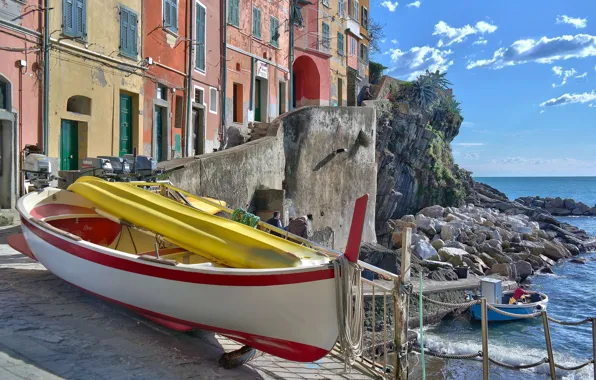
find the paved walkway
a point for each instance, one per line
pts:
(51, 330)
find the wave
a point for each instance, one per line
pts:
(513, 354)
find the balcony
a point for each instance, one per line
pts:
(353, 27)
(312, 41)
(362, 69)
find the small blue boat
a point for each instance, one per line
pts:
(492, 289)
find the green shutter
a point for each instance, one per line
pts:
(274, 30)
(123, 31)
(200, 45)
(256, 22)
(68, 19)
(167, 13)
(234, 12)
(325, 35)
(170, 15)
(340, 43)
(132, 32)
(174, 15)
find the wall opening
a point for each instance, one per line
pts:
(237, 107)
(6, 157)
(307, 82)
(79, 104)
(339, 92)
(160, 150)
(4, 94)
(260, 99)
(281, 100)
(198, 130)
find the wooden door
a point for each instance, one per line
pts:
(125, 124)
(69, 145)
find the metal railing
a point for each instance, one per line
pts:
(313, 41)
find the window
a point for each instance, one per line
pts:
(78, 104)
(340, 43)
(74, 18)
(198, 95)
(365, 17)
(162, 92)
(274, 30)
(200, 42)
(364, 53)
(340, 7)
(234, 12)
(326, 3)
(256, 22)
(237, 104)
(213, 100)
(356, 10)
(170, 15)
(3, 95)
(352, 45)
(326, 35)
(179, 104)
(128, 32)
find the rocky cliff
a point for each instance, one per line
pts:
(414, 161)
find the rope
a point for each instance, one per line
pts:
(242, 216)
(447, 304)
(575, 368)
(571, 323)
(350, 311)
(449, 356)
(518, 366)
(421, 332)
(521, 316)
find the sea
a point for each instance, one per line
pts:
(572, 296)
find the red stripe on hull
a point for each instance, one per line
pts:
(133, 266)
(284, 349)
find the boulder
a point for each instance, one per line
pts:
(426, 225)
(572, 248)
(578, 260)
(451, 217)
(450, 232)
(475, 268)
(443, 275)
(419, 237)
(491, 250)
(547, 270)
(569, 204)
(556, 203)
(535, 248)
(432, 211)
(546, 260)
(577, 211)
(408, 218)
(582, 207)
(455, 244)
(471, 250)
(502, 258)
(495, 235)
(446, 253)
(555, 250)
(438, 243)
(424, 249)
(487, 259)
(523, 269)
(502, 270)
(434, 265)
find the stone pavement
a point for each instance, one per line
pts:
(52, 330)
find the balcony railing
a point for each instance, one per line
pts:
(353, 26)
(313, 41)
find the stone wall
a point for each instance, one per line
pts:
(300, 153)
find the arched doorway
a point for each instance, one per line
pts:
(307, 82)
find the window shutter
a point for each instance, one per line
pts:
(325, 35)
(340, 43)
(259, 22)
(356, 10)
(256, 22)
(81, 15)
(200, 43)
(167, 13)
(133, 24)
(274, 29)
(68, 12)
(123, 30)
(234, 13)
(174, 8)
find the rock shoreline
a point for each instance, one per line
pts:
(491, 235)
(559, 206)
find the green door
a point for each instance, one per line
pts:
(257, 100)
(158, 133)
(125, 124)
(69, 145)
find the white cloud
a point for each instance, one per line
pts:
(389, 5)
(468, 124)
(410, 64)
(415, 4)
(386, 52)
(578, 23)
(480, 41)
(450, 35)
(394, 41)
(593, 105)
(586, 97)
(542, 111)
(472, 156)
(558, 70)
(383, 40)
(469, 144)
(545, 50)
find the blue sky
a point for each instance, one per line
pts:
(525, 72)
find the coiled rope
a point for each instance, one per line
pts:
(570, 323)
(350, 311)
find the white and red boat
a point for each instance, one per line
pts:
(287, 312)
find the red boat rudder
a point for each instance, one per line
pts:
(355, 237)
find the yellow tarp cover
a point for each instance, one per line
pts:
(217, 239)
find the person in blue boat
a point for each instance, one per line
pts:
(519, 295)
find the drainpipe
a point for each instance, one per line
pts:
(189, 92)
(223, 139)
(46, 77)
(252, 86)
(291, 61)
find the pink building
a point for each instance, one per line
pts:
(21, 86)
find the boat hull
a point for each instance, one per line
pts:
(520, 310)
(289, 313)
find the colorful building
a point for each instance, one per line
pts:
(21, 86)
(332, 15)
(357, 45)
(166, 48)
(96, 80)
(257, 64)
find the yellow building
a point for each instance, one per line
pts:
(357, 38)
(95, 95)
(332, 16)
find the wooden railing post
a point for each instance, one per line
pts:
(549, 346)
(401, 301)
(484, 314)
(594, 345)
